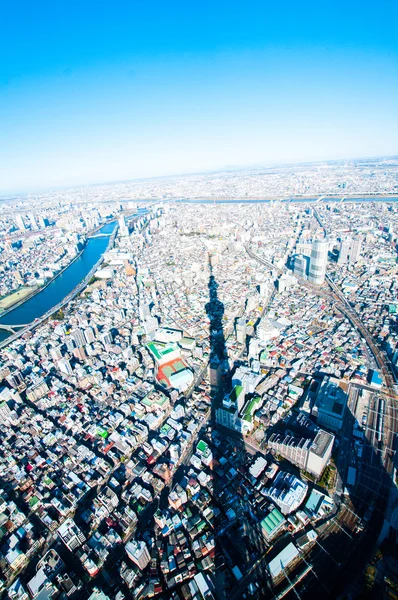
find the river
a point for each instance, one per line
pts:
(293, 200)
(61, 286)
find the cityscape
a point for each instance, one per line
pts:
(198, 300)
(198, 397)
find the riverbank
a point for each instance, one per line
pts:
(40, 288)
(70, 296)
(61, 289)
(17, 297)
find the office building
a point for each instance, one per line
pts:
(43, 222)
(71, 535)
(330, 404)
(318, 261)
(78, 337)
(309, 454)
(65, 366)
(350, 250)
(16, 381)
(287, 492)
(37, 391)
(288, 555)
(295, 449)
(20, 223)
(320, 453)
(301, 266)
(56, 353)
(5, 412)
(70, 345)
(33, 222)
(355, 249)
(227, 417)
(304, 247)
(89, 335)
(201, 587)
(123, 227)
(344, 251)
(138, 554)
(240, 329)
(106, 338)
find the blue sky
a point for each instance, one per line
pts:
(100, 91)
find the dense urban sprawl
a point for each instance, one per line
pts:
(206, 418)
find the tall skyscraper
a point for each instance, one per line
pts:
(138, 553)
(123, 228)
(106, 338)
(89, 335)
(20, 222)
(65, 366)
(318, 261)
(78, 337)
(355, 249)
(350, 249)
(240, 328)
(344, 251)
(33, 222)
(300, 266)
(42, 222)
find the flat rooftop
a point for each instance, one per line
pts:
(322, 442)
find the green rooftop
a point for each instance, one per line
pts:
(159, 350)
(202, 446)
(102, 432)
(249, 409)
(234, 395)
(33, 501)
(272, 521)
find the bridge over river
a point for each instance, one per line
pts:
(12, 328)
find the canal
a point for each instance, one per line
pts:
(61, 286)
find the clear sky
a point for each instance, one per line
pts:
(100, 91)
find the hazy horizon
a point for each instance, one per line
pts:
(226, 168)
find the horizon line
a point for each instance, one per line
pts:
(43, 189)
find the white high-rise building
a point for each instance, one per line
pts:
(5, 412)
(123, 228)
(318, 261)
(350, 250)
(344, 251)
(33, 221)
(308, 454)
(65, 366)
(89, 335)
(56, 353)
(240, 328)
(300, 266)
(355, 249)
(106, 338)
(138, 554)
(78, 337)
(20, 222)
(42, 222)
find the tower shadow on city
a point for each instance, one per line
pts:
(239, 541)
(233, 546)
